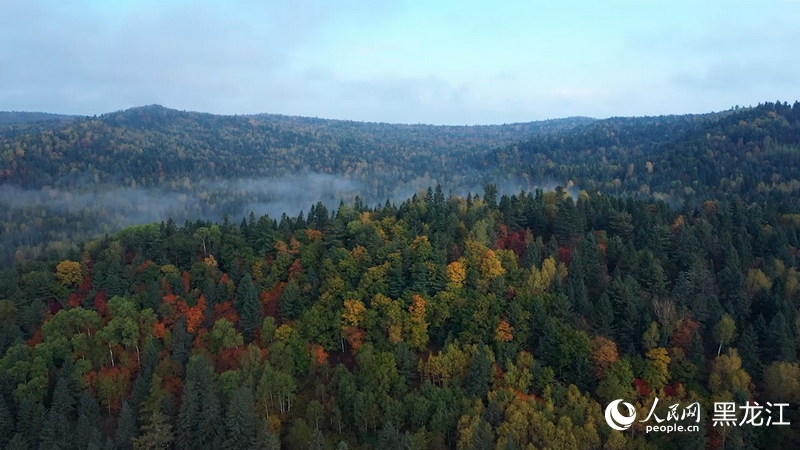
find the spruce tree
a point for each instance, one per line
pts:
(781, 342)
(199, 417)
(241, 421)
(156, 431)
(604, 316)
(18, 442)
(250, 310)
(6, 423)
(317, 440)
(30, 420)
(748, 351)
(266, 440)
(88, 419)
(126, 428)
(479, 374)
(289, 301)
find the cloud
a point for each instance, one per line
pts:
(190, 55)
(322, 58)
(748, 75)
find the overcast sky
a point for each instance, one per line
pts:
(420, 61)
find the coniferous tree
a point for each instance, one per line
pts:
(317, 440)
(200, 413)
(18, 442)
(266, 440)
(748, 351)
(780, 338)
(251, 313)
(157, 430)
(479, 375)
(604, 315)
(127, 429)
(88, 420)
(6, 423)
(289, 301)
(30, 420)
(568, 223)
(241, 422)
(181, 342)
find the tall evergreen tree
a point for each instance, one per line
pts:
(251, 312)
(88, 419)
(6, 423)
(479, 374)
(18, 442)
(200, 415)
(289, 301)
(30, 420)
(780, 339)
(126, 428)
(241, 422)
(604, 315)
(747, 346)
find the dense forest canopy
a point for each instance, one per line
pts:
(67, 180)
(478, 322)
(751, 153)
(23, 117)
(434, 295)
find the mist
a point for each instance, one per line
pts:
(56, 219)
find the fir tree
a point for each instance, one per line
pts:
(30, 420)
(781, 341)
(748, 351)
(88, 419)
(317, 440)
(18, 442)
(241, 421)
(289, 301)
(6, 423)
(479, 374)
(126, 428)
(250, 310)
(604, 316)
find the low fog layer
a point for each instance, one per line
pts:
(78, 215)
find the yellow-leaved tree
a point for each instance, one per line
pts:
(540, 280)
(417, 329)
(457, 273)
(504, 332)
(69, 273)
(351, 319)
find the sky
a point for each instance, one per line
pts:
(418, 61)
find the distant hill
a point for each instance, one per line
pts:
(751, 153)
(63, 180)
(21, 117)
(152, 145)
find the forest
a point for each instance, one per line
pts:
(64, 179)
(663, 265)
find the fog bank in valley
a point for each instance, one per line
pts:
(55, 218)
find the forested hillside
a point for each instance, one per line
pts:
(62, 180)
(666, 267)
(750, 153)
(22, 117)
(152, 145)
(460, 323)
(66, 181)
